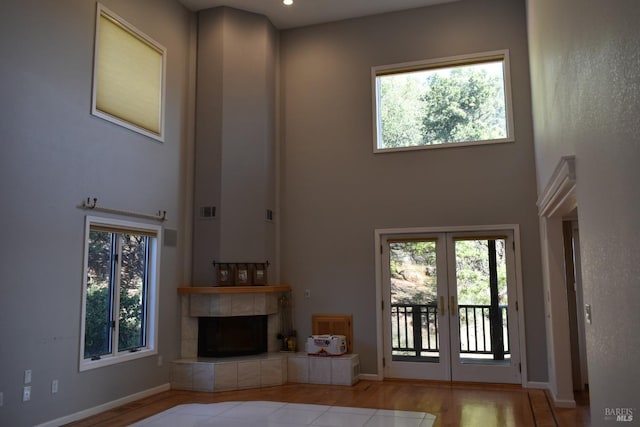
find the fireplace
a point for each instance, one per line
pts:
(232, 336)
(229, 301)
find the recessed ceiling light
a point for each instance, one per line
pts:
(287, 2)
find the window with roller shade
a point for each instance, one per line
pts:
(128, 80)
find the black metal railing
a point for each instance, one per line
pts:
(415, 330)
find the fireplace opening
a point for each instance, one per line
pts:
(232, 336)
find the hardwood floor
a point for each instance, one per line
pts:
(454, 404)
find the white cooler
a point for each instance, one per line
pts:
(326, 345)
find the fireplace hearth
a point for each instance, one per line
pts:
(232, 336)
(268, 368)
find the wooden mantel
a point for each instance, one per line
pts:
(212, 290)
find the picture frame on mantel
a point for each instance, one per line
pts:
(259, 274)
(242, 275)
(224, 275)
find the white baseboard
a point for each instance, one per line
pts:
(105, 406)
(370, 377)
(537, 384)
(560, 403)
(563, 403)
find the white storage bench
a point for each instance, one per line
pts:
(337, 370)
(238, 373)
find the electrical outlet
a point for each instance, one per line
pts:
(26, 394)
(159, 360)
(1, 398)
(307, 293)
(27, 376)
(54, 386)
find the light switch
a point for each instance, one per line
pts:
(587, 313)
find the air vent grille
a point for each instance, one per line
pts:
(207, 212)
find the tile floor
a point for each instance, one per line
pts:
(278, 414)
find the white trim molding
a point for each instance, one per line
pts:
(441, 63)
(559, 194)
(556, 202)
(105, 406)
(563, 403)
(151, 296)
(371, 377)
(378, 239)
(537, 385)
(130, 95)
(556, 402)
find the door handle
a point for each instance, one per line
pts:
(441, 305)
(452, 305)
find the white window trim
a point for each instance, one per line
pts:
(152, 296)
(379, 235)
(441, 63)
(102, 10)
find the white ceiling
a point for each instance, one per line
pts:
(309, 12)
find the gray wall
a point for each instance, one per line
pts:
(335, 191)
(53, 155)
(235, 139)
(585, 62)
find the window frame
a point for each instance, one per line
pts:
(429, 64)
(153, 280)
(101, 10)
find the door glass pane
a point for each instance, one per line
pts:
(133, 282)
(97, 335)
(481, 286)
(414, 292)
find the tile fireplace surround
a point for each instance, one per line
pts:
(232, 373)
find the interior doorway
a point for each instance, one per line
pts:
(575, 302)
(557, 204)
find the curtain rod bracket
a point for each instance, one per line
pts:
(88, 204)
(92, 203)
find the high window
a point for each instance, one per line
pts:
(447, 102)
(119, 292)
(128, 78)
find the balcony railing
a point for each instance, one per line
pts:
(482, 332)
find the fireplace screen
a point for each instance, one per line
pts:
(232, 336)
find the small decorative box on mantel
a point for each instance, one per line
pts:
(240, 273)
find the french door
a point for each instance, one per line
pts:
(450, 306)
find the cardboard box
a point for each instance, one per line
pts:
(326, 345)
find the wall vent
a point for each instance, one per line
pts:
(207, 212)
